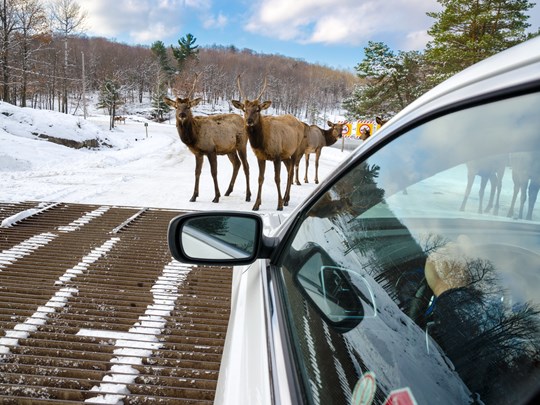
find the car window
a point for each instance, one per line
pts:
(416, 275)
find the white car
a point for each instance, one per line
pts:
(412, 274)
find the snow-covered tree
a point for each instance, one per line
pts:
(466, 32)
(390, 81)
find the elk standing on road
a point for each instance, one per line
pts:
(316, 138)
(275, 138)
(221, 134)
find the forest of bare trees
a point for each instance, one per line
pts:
(47, 62)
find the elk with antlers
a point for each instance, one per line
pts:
(316, 138)
(275, 138)
(221, 134)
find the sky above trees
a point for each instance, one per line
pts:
(327, 32)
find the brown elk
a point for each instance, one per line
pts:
(275, 138)
(365, 133)
(221, 134)
(526, 178)
(315, 139)
(489, 168)
(120, 118)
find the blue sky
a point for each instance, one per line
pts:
(328, 32)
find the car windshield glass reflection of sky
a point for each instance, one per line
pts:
(424, 173)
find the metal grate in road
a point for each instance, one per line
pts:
(93, 308)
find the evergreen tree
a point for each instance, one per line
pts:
(186, 50)
(109, 99)
(391, 81)
(159, 107)
(160, 52)
(468, 31)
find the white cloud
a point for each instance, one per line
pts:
(218, 21)
(142, 21)
(346, 22)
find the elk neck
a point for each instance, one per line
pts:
(329, 138)
(187, 130)
(255, 134)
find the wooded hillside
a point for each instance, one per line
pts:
(294, 86)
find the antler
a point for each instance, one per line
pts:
(194, 84)
(263, 89)
(242, 96)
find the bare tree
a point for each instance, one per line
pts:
(33, 24)
(68, 19)
(8, 25)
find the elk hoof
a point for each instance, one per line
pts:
(215, 200)
(316, 181)
(248, 198)
(192, 199)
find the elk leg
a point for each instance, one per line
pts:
(277, 179)
(307, 165)
(494, 185)
(245, 166)
(534, 186)
(296, 170)
(317, 156)
(233, 157)
(198, 167)
(470, 181)
(500, 175)
(212, 159)
(514, 196)
(483, 183)
(289, 165)
(523, 197)
(262, 168)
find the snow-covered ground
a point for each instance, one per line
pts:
(146, 165)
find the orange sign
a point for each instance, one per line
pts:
(364, 124)
(347, 129)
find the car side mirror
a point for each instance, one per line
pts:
(218, 238)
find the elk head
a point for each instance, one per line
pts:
(183, 105)
(252, 109)
(337, 129)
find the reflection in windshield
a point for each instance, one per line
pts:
(433, 222)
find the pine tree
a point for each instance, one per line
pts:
(468, 31)
(159, 107)
(186, 50)
(109, 99)
(160, 52)
(391, 81)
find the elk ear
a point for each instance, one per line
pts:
(265, 105)
(330, 124)
(238, 104)
(195, 102)
(168, 101)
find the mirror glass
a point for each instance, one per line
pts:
(218, 237)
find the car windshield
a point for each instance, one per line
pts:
(416, 275)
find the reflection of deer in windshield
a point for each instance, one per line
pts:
(490, 168)
(526, 178)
